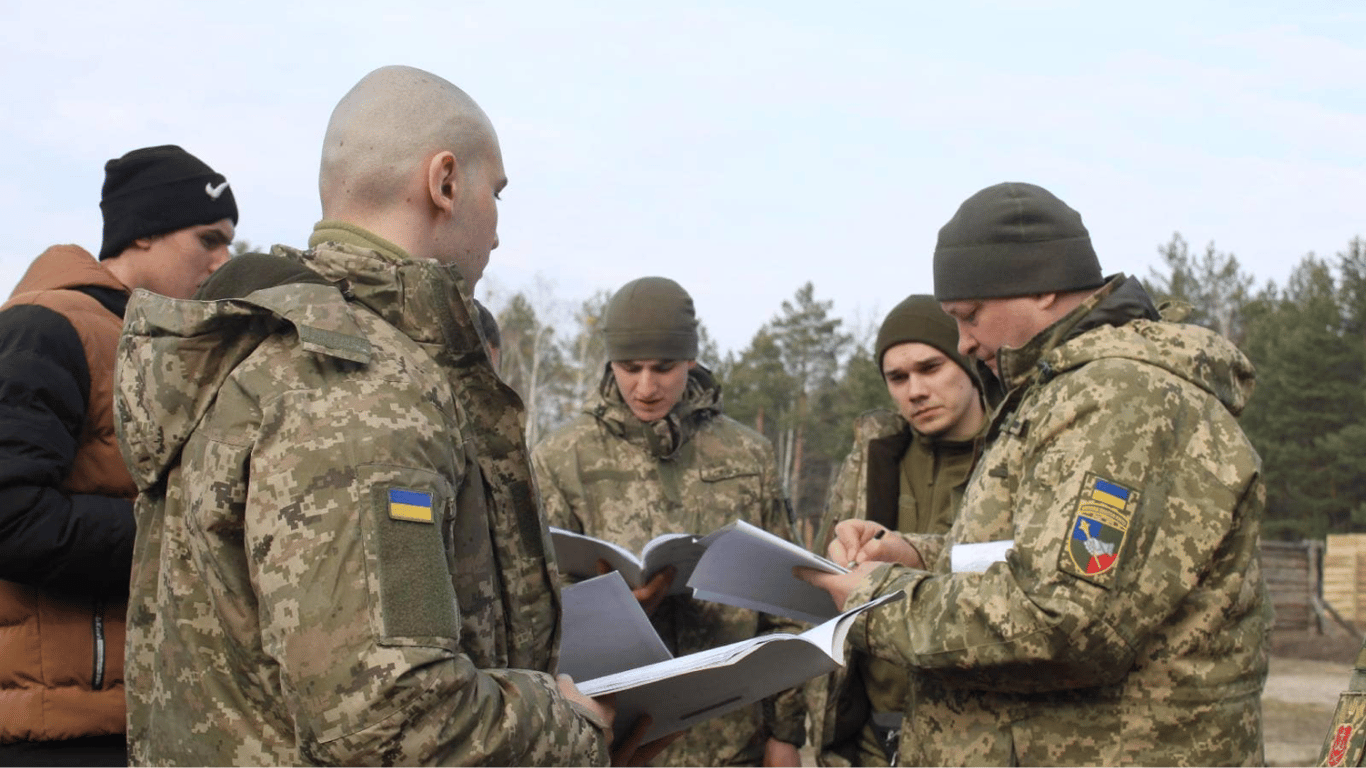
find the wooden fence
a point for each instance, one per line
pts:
(1291, 569)
(1344, 577)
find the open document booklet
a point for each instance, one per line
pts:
(578, 556)
(608, 646)
(739, 564)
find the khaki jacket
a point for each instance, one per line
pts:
(1127, 623)
(869, 487)
(609, 475)
(339, 557)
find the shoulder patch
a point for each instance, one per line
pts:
(1344, 743)
(414, 506)
(1098, 530)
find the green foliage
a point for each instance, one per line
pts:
(1307, 418)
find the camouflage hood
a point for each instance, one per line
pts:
(197, 344)
(661, 439)
(1120, 321)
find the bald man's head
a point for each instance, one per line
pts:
(409, 151)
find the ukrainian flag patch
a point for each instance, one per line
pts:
(1098, 530)
(414, 506)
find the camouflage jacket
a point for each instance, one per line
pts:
(609, 475)
(339, 556)
(1127, 623)
(869, 486)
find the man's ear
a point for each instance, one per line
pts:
(443, 181)
(1047, 300)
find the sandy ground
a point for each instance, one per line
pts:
(1298, 706)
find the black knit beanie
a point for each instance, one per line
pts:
(1013, 239)
(156, 190)
(651, 318)
(918, 318)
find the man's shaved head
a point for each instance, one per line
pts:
(411, 158)
(385, 127)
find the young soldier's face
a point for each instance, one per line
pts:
(651, 388)
(933, 394)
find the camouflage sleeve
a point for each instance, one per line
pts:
(784, 712)
(557, 509)
(844, 494)
(929, 545)
(1175, 468)
(357, 603)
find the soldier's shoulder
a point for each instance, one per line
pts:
(724, 428)
(567, 436)
(725, 440)
(878, 422)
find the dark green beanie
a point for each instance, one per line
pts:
(919, 318)
(651, 318)
(1013, 239)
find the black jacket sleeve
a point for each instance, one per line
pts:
(73, 543)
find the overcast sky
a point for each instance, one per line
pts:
(742, 148)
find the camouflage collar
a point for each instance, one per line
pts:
(1120, 300)
(427, 301)
(664, 437)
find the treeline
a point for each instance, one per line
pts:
(804, 376)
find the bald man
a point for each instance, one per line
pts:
(339, 555)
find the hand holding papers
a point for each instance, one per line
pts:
(748, 567)
(678, 693)
(739, 564)
(578, 556)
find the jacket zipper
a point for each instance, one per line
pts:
(97, 628)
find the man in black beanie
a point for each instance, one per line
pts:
(905, 471)
(1099, 599)
(66, 512)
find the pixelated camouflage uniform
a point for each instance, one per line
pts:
(1345, 743)
(873, 484)
(1157, 658)
(609, 475)
(282, 611)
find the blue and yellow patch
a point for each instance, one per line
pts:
(414, 506)
(1098, 530)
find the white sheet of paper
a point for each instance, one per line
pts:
(748, 567)
(974, 558)
(605, 630)
(687, 690)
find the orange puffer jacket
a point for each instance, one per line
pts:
(65, 492)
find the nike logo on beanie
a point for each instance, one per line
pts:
(213, 191)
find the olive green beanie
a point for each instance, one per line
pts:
(651, 318)
(1013, 239)
(918, 318)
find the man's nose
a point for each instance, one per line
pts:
(966, 344)
(220, 257)
(916, 389)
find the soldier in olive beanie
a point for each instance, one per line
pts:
(918, 318)
(1013, 239)
(651, 318)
